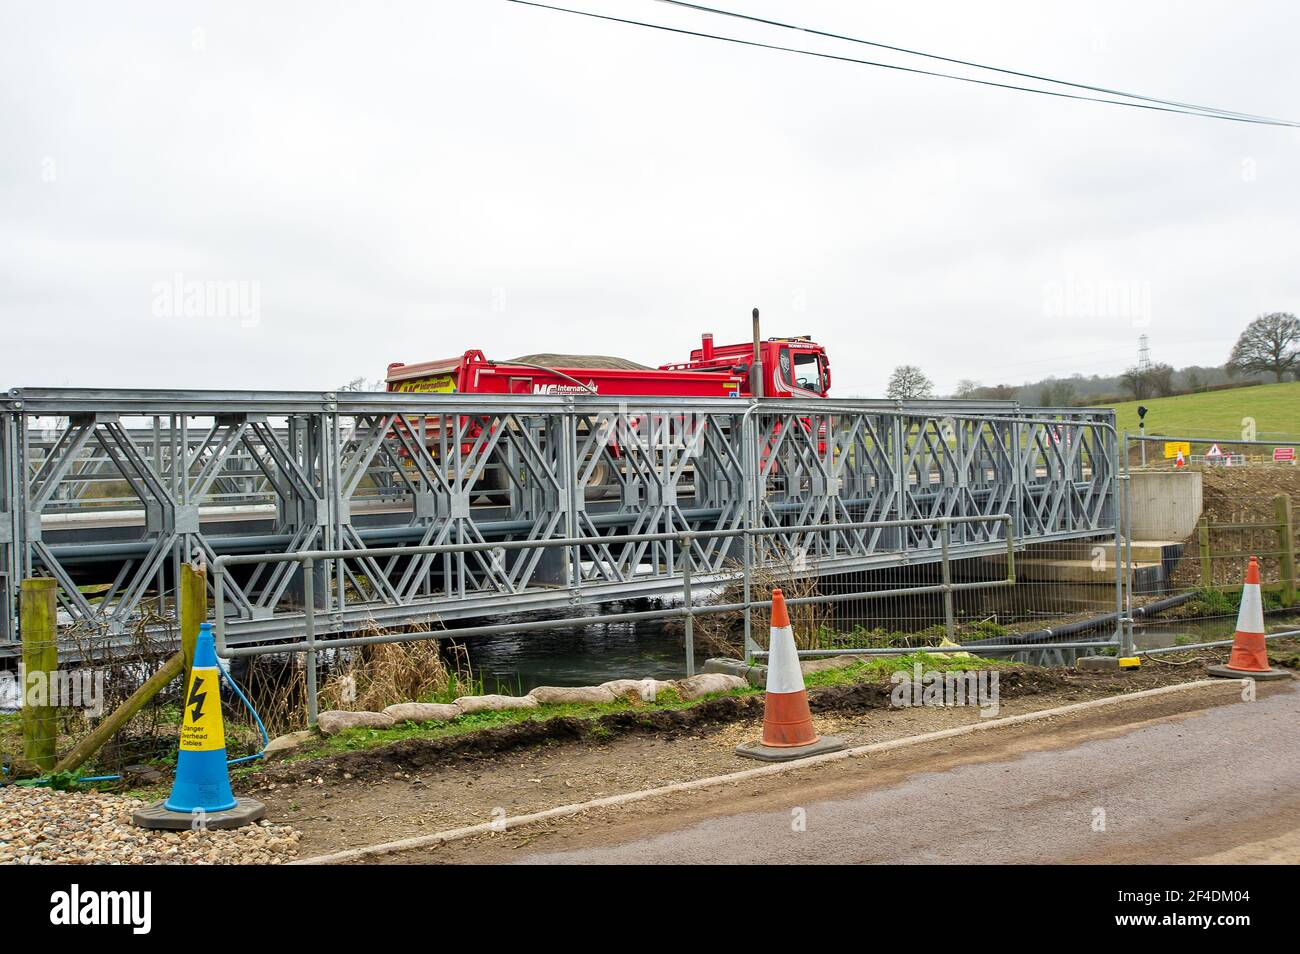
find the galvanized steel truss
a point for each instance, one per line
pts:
(185, 475)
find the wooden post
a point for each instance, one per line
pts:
(193, 609)
(1207, 569)
(1286, 546)
(39, 624)
(193, 606)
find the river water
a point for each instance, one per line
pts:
(595, 653)
(592, 654)
(581, 656)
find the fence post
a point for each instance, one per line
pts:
(949, 617)
(309, 622)
(1286, 546)
(193, 609)
(750, 468)
(687, 561)
(40, 660)
(1126, 621)
(1207, 569)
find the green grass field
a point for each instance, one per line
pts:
(1275, 408)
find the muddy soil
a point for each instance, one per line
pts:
(1245, 494)
(409, 755)
(1234, 495)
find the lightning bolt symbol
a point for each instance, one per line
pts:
(196, 699)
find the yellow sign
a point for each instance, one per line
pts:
(202, 730)
(438, 384)
(1174, 448)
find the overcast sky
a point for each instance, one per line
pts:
(403, 181)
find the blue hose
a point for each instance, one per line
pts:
(266, 739)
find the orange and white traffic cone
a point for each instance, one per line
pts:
(1180, 462)
(1249, 658)
(788, 731)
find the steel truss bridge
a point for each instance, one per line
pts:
(109, 491)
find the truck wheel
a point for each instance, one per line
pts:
(600, 485)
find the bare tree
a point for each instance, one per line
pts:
(1161, 379)
(999, 392)
(966, 388)
(907, 382)
(1137, 382)
(362, 384)
(1270, 343)
(1057, 393)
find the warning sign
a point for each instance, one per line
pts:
(202, 730)
(1214, 451)
(1284, 454)
(1174, 448)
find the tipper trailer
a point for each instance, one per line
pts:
(795, 367)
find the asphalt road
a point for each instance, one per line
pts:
(1222, 784)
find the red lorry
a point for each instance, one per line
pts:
(792, 367)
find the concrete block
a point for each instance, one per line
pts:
(754, 675)
(1165, 504)
(1098, 662)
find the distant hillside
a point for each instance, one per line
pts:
(1275, 408)
(1097, 389)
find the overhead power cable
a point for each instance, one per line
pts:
(960, 62)
(905, 69)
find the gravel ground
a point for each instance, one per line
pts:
(43, 826)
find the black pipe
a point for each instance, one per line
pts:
(1081, 626)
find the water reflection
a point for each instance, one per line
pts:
(579, 656)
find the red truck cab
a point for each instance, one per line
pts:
(792, 367)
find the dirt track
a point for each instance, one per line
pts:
(1194, 777)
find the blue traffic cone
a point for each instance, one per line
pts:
(201, 795)
(202, 779)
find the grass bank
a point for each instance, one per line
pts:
(868, 670)
(1275, 408)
